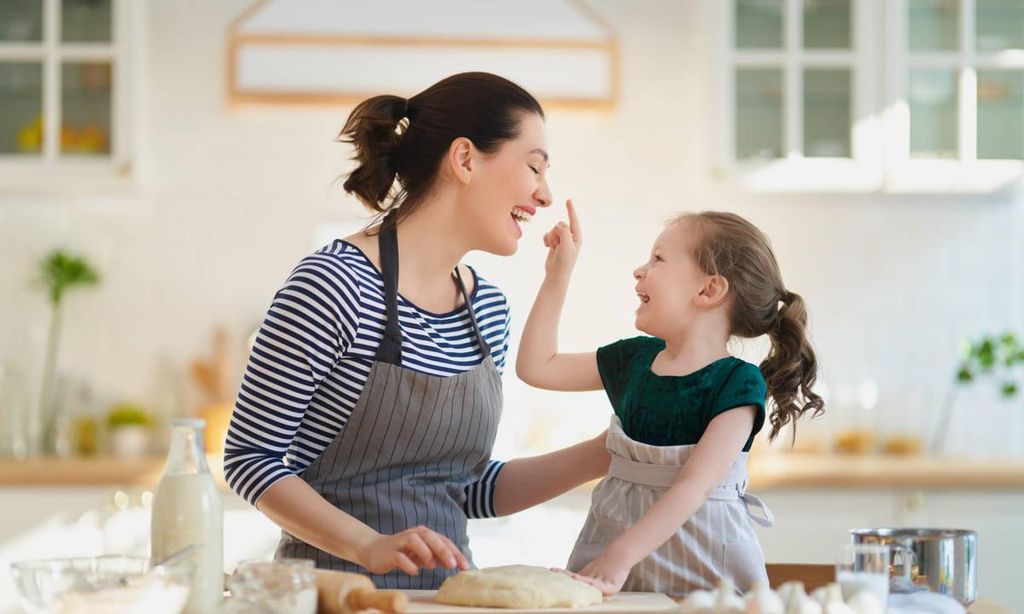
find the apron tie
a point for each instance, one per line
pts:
(664, 476)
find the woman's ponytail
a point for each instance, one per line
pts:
(373, 130)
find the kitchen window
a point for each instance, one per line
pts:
(63, 63)
(856, 95)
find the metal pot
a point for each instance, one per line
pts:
(944, 560)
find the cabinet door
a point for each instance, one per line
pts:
(811, 525)
(21, 98)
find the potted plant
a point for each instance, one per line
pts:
(996, 356)
(129, 425)
(998, 359)
(59, 272)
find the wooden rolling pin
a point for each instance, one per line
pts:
(339, 592)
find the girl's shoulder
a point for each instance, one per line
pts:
(739, 371)
(633, 344)
(625, 350)
(735, 378)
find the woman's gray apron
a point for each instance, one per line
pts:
(411, 446)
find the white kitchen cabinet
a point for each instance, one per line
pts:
(810, 102)
(68, 70)
(810, 524)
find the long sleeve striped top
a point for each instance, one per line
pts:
(312, 357)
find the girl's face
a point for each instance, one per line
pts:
(668, 284)
(507, 188)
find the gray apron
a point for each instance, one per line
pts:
(717, 541)
(411, 446)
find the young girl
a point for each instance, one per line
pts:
(673, 515)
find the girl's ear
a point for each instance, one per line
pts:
(714, 291)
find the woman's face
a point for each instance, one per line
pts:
(508, 186)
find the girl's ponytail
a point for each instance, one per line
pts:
(791, 368)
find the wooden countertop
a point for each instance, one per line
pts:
(93, 471)
(984, 606)
(786, 470)
(767, 471)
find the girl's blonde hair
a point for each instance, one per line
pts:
(725, 244)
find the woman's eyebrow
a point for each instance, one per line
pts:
(540, 151)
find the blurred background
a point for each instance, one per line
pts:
(165, 163)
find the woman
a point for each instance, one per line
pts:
(367, 414)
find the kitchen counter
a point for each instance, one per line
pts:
(786, 470)
(767, 471)
(984, 606)
(93, 471)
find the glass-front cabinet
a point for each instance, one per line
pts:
(63, 86)
(872, 94)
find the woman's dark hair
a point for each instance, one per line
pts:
(401, 139)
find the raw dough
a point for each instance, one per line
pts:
(517, 586)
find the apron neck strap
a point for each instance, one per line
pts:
(390, 349)
(485, 349)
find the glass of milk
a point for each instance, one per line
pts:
(285, 586)
(864, 567)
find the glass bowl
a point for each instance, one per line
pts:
(111, 583)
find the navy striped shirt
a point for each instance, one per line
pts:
(312, 357)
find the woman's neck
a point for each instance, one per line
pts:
(430, 243)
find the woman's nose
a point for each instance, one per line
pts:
(543, 195)
(638, 274)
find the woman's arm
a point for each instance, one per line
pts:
(539, 364)
(525, 482)
(308, 328)
(707, 466)
(298, 509)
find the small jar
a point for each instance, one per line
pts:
(282, 586)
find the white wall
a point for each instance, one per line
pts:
(231, 198)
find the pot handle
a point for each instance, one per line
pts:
(909, 560)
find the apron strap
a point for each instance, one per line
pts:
(390, 350)
(485, 349)
(767, 518)
(664, 476)
(658, 476)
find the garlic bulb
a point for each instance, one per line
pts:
(838, 607)
(865, 603)
(697, 602)
(763, 600)
(796, 600)
(830, 593)
(820, 595)
(727, 601)
(789, 588)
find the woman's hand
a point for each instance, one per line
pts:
(563, 243)
(409, 551)
(603, 573)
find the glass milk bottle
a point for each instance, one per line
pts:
(187, 510)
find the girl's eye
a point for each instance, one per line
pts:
(657, 259)
(534, 169)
